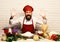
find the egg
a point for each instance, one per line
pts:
(48, 37)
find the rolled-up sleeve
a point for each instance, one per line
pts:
(12, 21)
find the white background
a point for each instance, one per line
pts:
(51, 7)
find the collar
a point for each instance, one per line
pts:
(27, 20)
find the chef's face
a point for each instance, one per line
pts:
(28, 15)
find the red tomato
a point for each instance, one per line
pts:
(54, 36)
(5, 31)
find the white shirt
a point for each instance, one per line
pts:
(35, 21)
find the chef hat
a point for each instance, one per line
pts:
(27, 8)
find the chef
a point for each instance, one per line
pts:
(28, 22)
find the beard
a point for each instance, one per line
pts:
(28, 17)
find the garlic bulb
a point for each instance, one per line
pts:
(36, 37)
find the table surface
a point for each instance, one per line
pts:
(41, 40)
(31, 40)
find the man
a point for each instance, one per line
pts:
(28, 22)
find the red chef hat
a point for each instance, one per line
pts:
(27, 8)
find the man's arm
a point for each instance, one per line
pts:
(40, 21)
(14, 21)
(13, 13)
(44, 19)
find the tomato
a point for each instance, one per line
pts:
(54, 37)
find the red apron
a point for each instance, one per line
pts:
(29, 28)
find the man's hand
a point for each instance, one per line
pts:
(43, 13)
(44, 17)
(13, 12)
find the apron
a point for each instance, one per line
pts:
(29, 28)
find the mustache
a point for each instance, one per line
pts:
(28, 15)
